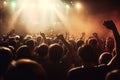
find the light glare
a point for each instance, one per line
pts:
(78, 5)
(13, 4)
(67, 6)
(5, 3)
(39, 15)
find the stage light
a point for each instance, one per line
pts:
(67, 6)
(32, 6)
(45, 4)
(5, 3)
(13, 4)
(78, 5)
(39, 15)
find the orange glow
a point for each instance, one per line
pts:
(39, 15)
(53, 15)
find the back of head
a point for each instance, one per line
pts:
(113, 75)
(5, 57)
(72, 43)
(39, 38)
(105, 58)
(92, 42)
(79, 43)
(23, 52)
(25, 69)
(87, 54)
(12, 41)
(55, 52)
(83, 73)
(110, 44)
(30, 43)
(42, 50)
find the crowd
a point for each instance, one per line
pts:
(39, 57)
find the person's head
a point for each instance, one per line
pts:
(39, 38)
(87, 54)
(109, 44)
(23, 52)
(79, 43)
(55, 52)
(72, 43)
(105, 58)
(12, 41)
(30, 43)
(95, 34)
(113, 75)
(25, 69)
(92, 42)
(42, 50)
(6, 57)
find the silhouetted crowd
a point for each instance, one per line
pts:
(41, 57)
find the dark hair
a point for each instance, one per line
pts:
(6, 57)
(87, 53)
(25, 69)
(55, 52)
(92, 41)
(105, 58)
(79, 43)
(113, 75)
(23, 52)
(30, 43)
(42, 50)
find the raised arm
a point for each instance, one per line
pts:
(44, 38)
(111, 25)
(65, 42)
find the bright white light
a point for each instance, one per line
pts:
(13, 4)
(78, 5)
(32, 6)
(5, 3)
(39, 14)
(67, 6)
(45, 4)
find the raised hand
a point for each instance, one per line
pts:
(116, 59)
(44, 38)
(109, 24)
(60, 36)
(42, 34)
